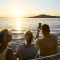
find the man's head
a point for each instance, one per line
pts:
(45, 28)
(28, 36)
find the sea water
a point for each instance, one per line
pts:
(19, 25)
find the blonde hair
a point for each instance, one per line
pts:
(30, 37)
(5, 35)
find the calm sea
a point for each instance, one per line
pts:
(19, 25)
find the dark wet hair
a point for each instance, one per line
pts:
(30, 37)
(5, 35)
(45, 28)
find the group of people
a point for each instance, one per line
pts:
(46, 46)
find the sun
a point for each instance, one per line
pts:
(17, 13)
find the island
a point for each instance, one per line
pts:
(44, 16)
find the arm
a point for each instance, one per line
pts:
(38, 30)
(9, 55)
(37, 43)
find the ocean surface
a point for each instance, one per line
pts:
(19, 25)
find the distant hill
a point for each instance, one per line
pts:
(44, 16)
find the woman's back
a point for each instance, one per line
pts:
(27, 52)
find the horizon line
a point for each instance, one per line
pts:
(26, 16)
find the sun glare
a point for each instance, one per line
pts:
(17, 13)
(18, 23)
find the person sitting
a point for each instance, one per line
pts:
(48, 44)
(27, 50)
(5, 38)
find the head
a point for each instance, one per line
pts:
(28, 36)
(45, 29)
(5, 36)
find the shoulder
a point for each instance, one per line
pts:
(33, 46)
(9, 54)
(53, 36)
(38, 41)
(19, 47)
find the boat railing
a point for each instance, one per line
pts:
(49, 57)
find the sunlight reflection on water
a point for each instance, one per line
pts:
(18, 23)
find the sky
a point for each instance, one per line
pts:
(29, 7)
